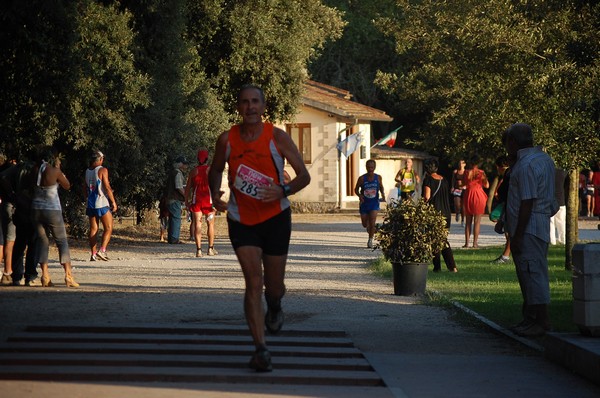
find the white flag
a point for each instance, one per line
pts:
(350, 144)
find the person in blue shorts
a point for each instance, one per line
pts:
(101, 205)
(368, 186)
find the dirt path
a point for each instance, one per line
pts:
(150, 282)
(147, 282)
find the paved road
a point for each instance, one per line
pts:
(418, 350)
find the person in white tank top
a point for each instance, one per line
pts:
(100, 205)
(47, 217)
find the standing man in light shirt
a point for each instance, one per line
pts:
(531, 202)
(175, 192)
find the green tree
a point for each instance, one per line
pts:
(266, 42)
(33, 101)
(146, 80)
(352, 61)
(71, 83)
(473, 67)
(184, 113)
(198, 53)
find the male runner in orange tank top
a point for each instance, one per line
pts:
(258, 212)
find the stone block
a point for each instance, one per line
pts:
(586, 258)
(586, 287)
(586, 313)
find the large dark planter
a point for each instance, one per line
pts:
(410, 279)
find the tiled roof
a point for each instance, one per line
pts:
(339, 102)
(385, 152)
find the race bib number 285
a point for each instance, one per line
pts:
(248, 180)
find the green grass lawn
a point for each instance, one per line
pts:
(492, 290)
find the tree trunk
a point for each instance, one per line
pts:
(572, 217)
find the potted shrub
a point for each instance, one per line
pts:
(409, 237)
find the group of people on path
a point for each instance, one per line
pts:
(31, 212)
(259, 214)
(370, 191)
(258, 210)
(467, 190)
(524, 202)
(469, 197)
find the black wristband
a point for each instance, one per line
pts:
(286, 190)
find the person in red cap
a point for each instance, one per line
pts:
(199, 202)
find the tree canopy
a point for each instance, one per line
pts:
(465, 70)
(474, 67)
(146, 81)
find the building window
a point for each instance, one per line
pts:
(300, 133)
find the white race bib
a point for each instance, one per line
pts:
(370, 193)
(248, 180)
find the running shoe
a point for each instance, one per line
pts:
(212, 251)
(261, 360)
(370, 243)
(274, 320)
(102, 255)
(500, 260)
(93, 258)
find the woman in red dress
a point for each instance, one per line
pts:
(596, 182)
(474, 200)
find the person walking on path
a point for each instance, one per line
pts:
(474, 199)
(47, 218)
(406, 181)
(18, 183)
(7, 208)
(101, 205)
(558, 231)
(199, 202)
(367, 188)
(258, 212)
(596, 183)
(589, 193)
(435, 191)
(531, 202)
(496, 203)
(163, 218)
(458, 189)
(175, 192)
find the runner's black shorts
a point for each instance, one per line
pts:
(272, 235)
